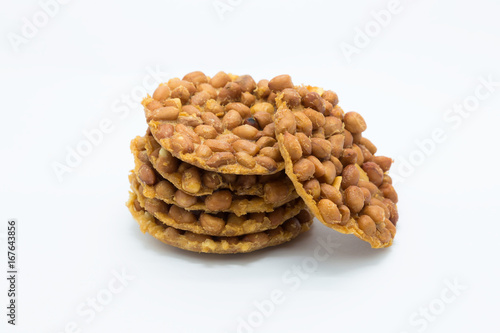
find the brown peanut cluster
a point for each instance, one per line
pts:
(231, 165)
(336, 172)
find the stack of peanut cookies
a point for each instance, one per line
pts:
(228, 165)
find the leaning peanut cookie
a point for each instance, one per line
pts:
(222, 124)
(190, 241)
(340, 179)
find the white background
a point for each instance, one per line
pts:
(72, 73)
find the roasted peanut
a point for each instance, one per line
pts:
(317, 119)
(337, 142)
(220, 159)
(200, 98)
(375, 212)
(219, 201)
(203, 151)
(218, 145)
(206, 131)
(330, 172)
(164, 130)
(305, 143)
(354, 122)
(304, 216)
(163, 113)
(147, 175)
(338, 166)
(247, 98)
(374, 172)
(280, 82)
(389, 192)
(276, 192)
(314, 101)
(262, 107)
(321, 148)
(245, 159)
(231, 92)
(303, 123)
(393, 211)
(319, 169)
(291, 97)
(219, 80)
(196, 77)
(246, 146)
(329, 211)
(181, 144)
(265, 141)
(350, 176)
(269, 130)
(292, 146)
(191, 180)
(212, 120)
(387, 179)
(153, 105)
(266, 162)
(208, 88)
(211, 180)
(263, 118)
(367, 225)
(332, 125)
(354, 199)
(184, 200)
(349, 156)
(331, 97)
(187, 131)
(369, 186)
(383, 162)
(181, 93)
(285, 121)
(212, 224)
(162, 92)
(241, 108)
(165, 190)
(359, 155)
(345, 214)
(247, 132)
(190, 120)
(312, 187)
(166, 163)
(232, 119)
(304, 169)
(366, 194)
(214, 107)
(263, 89)
(367, 156)
(331, 193)
(246, 83)
(191, 110)
(154, 206)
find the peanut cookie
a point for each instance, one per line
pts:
(221, 245)
(341, 180)
(222, 124)
(217, 224)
